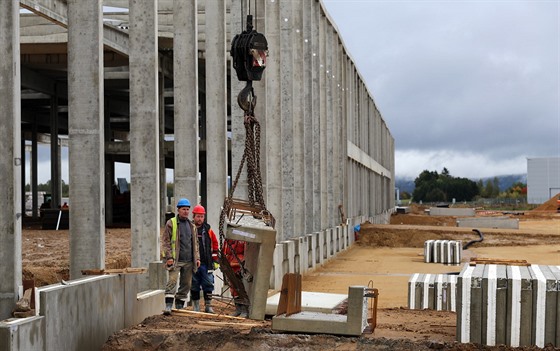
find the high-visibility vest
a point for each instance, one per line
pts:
(173, 238)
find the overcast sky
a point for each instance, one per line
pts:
(468, 85)
(472, 85)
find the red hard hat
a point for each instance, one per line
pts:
(199, 209)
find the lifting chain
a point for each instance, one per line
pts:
(248, 50)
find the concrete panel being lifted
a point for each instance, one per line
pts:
(444, 211)
(489, 222)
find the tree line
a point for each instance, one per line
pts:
(431, 186)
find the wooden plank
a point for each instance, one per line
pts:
(176, 312)
(230, 324)
(128, 270)
(474, 261)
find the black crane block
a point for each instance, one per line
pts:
(249, 50)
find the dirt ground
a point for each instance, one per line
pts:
(385, 256)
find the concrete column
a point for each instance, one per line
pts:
(316, 114)
(308, 132)
(162, 153)
(273, 123)
(323, 121)
(286, 115)
(185, 90)
(329, 52)
(56, 194)
(86, 149)
(144, 133)
(10, 158)
(298, 172)
(237, 25)
(216, 110)
(33, 160)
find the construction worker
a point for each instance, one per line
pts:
(203, 279)
(234, 250)
(181, 254)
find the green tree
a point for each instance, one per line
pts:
(434, 187)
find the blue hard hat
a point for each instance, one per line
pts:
(183, 203)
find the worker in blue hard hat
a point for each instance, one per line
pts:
(180, 254)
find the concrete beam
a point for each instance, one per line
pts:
(57, 11)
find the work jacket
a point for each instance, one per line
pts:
(170, 242)
(208, 245)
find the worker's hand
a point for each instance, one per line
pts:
(197, 263)
(215, 265)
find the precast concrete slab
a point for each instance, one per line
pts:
(519, 305)
(489, 222)
(494, 305)
(443, 251)
(432, 291)
(469, 304)
(310, 302)
(22, 334)
(545, 293)
(443, 211)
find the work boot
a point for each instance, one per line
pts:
(208, 306)
(244, 311)
(168, 306)
(179, 304)
(196, 305)
(237, 310)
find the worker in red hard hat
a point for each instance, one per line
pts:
(203, 279)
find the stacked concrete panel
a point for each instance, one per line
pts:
(511, 305)
(298, 255)
(432, 291)
(443, 251)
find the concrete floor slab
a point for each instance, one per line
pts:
(310, 302)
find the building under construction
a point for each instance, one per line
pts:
(151, 84)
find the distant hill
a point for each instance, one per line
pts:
(504, 182)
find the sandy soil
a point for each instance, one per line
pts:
(384, 257)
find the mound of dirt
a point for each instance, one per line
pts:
(550, 206)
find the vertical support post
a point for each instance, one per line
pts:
(86, 134)
(273, 130)
(185, 108)
(316, 114)
(216, 110)
(298, 170)
(237, 25)
(10, 158)
(56, 195)
(144, 133)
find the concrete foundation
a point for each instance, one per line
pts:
(489, 222)
(353, 323)
(512, 305)
(443, 211)
(81, 314)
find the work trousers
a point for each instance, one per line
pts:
(202, 280)
(183, 271)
